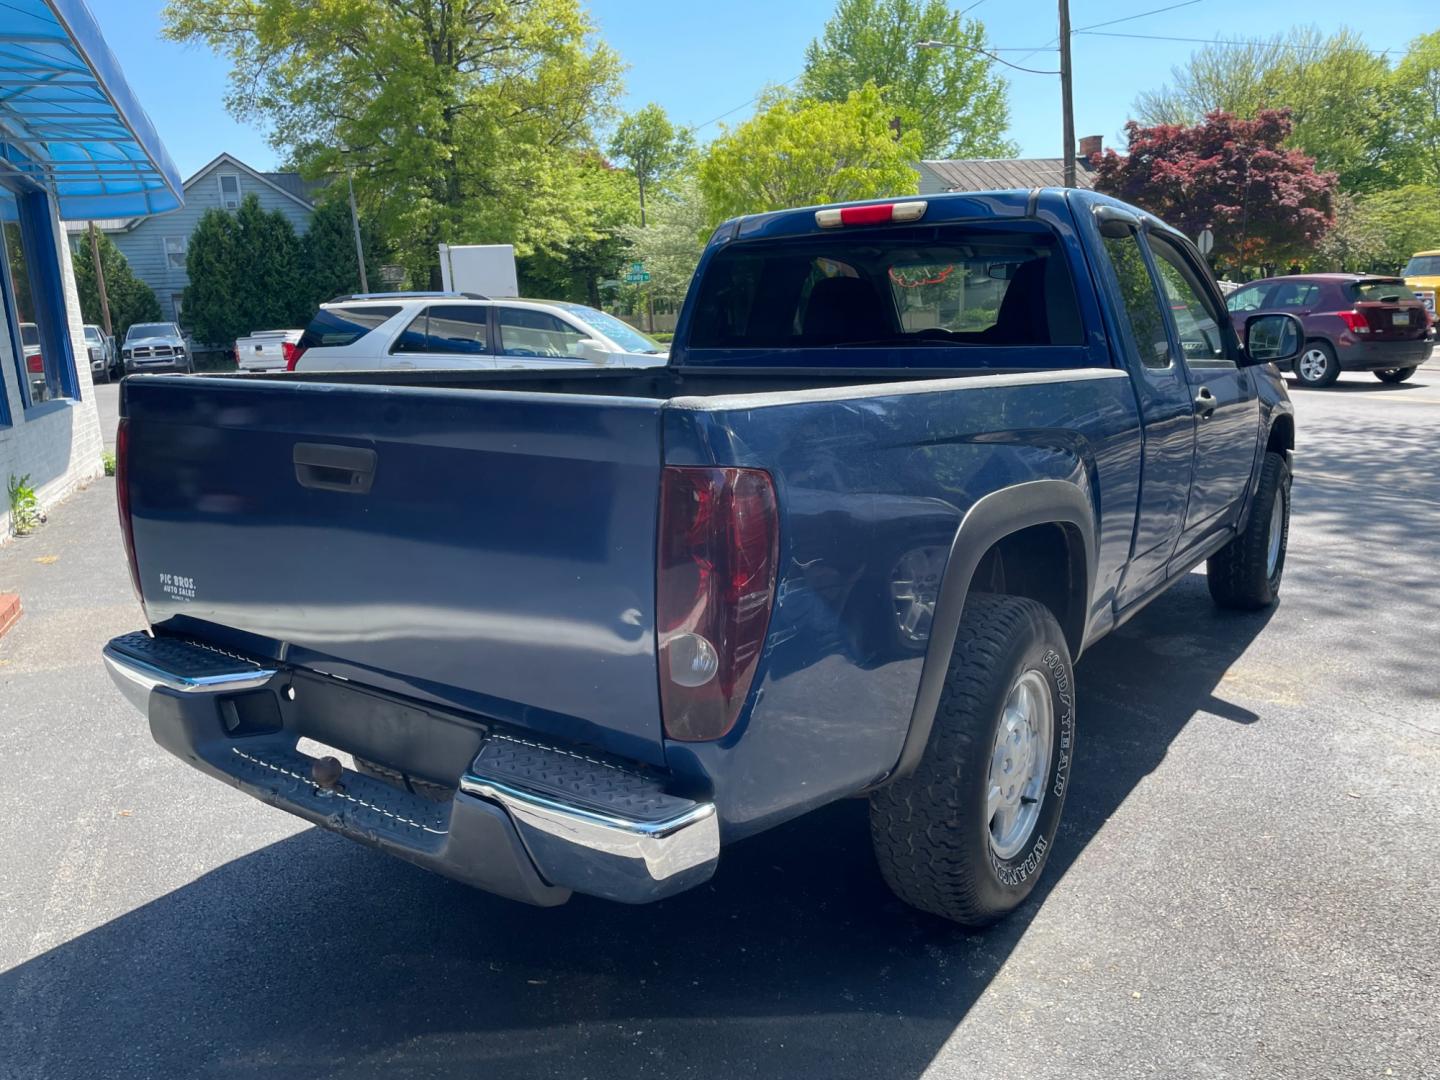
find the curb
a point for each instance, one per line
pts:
(10, 611)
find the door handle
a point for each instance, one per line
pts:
(1205, 403)
(334, 468)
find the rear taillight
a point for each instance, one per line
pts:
(35, 364)
(292, 353)
(715, 586)
(122, 503)
(1354, 321)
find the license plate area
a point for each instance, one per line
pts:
(1400, 318)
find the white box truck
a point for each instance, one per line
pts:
(486, 269)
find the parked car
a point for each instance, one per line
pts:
(1353, 322)
(155, 347)
(1422, 275)
(906, 461)
(98, 350)
(267, 350)
(34, 362)
(460, 330)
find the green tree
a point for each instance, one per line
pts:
(1417, 83)
(1340, 95)
(799, 153)
(651, 147)
(245, 274)
(459, 121)
(949, 93)
(328, 253)
(131, 300)
(605, 206)
(1401, 222)
(671, 242)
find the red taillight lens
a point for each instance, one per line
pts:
(292, 354)
(1354, 321)
(35, 364)
(122, 503)
(718, 551)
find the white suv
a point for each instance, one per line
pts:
(461, 330)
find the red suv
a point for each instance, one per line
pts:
(1353, 322)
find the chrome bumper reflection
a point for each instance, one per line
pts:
(136, 678)
(608, 855)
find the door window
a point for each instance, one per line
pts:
(1250, 298)
(1290, 295)
(537, 333)
(447, 328)
(1197, 321)
(1139, 299)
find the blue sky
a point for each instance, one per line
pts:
(700, 60)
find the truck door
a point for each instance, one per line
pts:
(1226, 401)
(1166, 414)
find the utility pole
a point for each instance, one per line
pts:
(355, 224)
(1067, 103)
(100, 280)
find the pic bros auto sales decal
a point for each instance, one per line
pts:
(180, 588)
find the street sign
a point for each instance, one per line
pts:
(637, 268)
(1205, 241)
(635, 277)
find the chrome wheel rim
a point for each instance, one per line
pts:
(1019, 765)
(1313, 363)
(914, 587)
(1277, 533)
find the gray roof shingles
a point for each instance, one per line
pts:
(1001, 174)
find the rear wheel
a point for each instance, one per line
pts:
(1245, 573)
(966, 835)
(1317, 365)
(1395, 375)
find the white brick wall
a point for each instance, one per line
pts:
(61, 449)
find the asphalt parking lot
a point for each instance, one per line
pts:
(1245, 884)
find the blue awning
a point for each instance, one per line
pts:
(70, 122)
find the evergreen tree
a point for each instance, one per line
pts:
(328, 254)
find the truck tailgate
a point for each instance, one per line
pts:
(493, 551)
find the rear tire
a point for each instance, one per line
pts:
(1395, 375)
(1316, 366)
(1245, 574)
(967, 834)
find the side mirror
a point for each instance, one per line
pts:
(590, 349)
(1272, 339)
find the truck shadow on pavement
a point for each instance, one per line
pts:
(314, 957)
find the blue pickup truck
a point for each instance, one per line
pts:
(555, 632)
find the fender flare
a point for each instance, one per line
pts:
(992, 518)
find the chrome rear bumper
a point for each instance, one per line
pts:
(529, 820)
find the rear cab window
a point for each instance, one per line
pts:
(339, 326)
(967, 286)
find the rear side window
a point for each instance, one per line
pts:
(1295, 294)
(1390, 292)
(447, 328)
(962, 285)
(339, 326)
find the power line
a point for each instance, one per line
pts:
(1131, 18)
(737, 108)
(1242, 44)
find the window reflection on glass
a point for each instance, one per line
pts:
(1142, 305)
(39, 376)
(1197, 325)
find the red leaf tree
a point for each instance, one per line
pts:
(1265, 204)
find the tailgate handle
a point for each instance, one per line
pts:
(334, 468)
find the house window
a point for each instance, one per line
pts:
(230, 191)
(34, 297)
(175, 252)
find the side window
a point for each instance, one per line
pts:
(1295, 294)
(175, 247)
(1197, 322)
(1250, 298)
(230, 191)
(536, 333)
(412, 338)
(458, 328)
(1141, 302)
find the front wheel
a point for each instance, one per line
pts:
(967, 834)
(1395, 375)
(1245, 574)
(1317, 366)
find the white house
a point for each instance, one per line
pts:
(75, 143)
